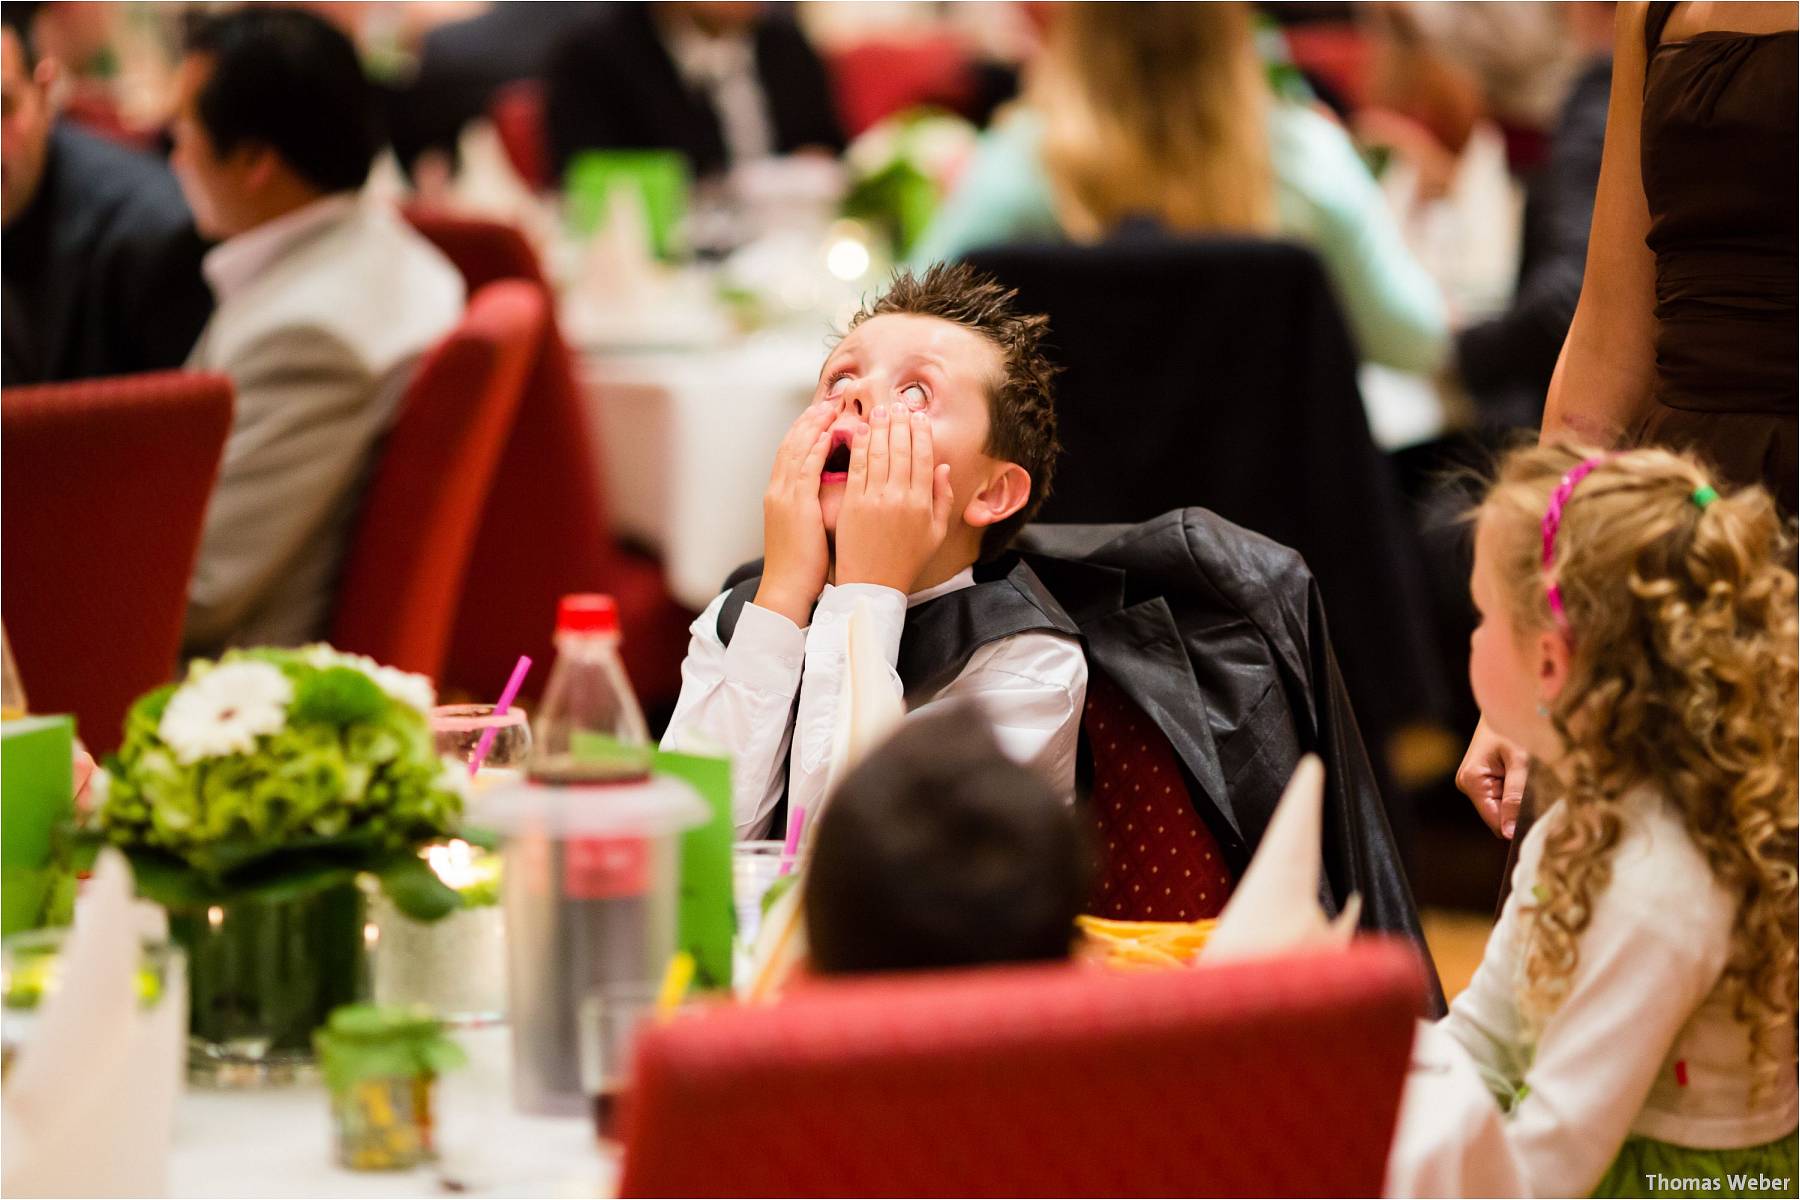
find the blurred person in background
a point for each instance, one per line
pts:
(1163, 113)
(1441, 69)
(325, 305)
(463, 63)
(1687, 332)
(99, 257)
(1537, 76)
(1504, 362)
(723, 83)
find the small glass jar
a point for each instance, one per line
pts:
(380, 1065)
(384, 1124)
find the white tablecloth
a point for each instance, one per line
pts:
(278, 1142)
(686, 438)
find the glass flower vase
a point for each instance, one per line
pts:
(263, 975)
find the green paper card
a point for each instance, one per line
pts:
(659, 175)
(708, 918)
(37, 793)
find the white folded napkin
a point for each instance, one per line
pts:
(1275, 906)
(868, 709)
(89, 1107)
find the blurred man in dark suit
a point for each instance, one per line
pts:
(99, 257)
(722, 83)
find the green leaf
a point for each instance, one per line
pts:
(782, 885)
(289, 877)
(442, 1056)
(487, 839)
(338, 696)
(415, 888)
(166, 880)
(76, 846)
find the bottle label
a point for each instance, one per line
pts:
(606, 868)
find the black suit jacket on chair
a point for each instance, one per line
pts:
(613, 85)
(1219, 635)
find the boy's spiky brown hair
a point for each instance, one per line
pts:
(1021, 402)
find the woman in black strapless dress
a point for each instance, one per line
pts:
(1686, 330)
(1685, 333)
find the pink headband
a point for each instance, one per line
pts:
(1552, 522)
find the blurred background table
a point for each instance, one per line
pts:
(685, 436)
(278, 1142)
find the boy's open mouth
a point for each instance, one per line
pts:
(837, 460)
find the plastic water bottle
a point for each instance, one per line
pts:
(589, 729)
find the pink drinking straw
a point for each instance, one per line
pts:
(791, 848)
(505, 702)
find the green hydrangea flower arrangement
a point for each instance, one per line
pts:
(271, 773)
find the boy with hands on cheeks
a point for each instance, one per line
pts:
(930, 443)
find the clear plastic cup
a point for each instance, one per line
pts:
(591, 889)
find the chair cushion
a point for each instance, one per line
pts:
(1159, 861)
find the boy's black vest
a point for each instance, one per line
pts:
(940, 635)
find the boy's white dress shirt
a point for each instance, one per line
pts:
(1644, 1042)
(740, 699)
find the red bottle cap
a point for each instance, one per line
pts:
(587, 612)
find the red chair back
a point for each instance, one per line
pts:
(517, 111)
(105, 486)
(1272, 1078)
(544, 532)
(1158, 859)
(484, 251)
(416, 532)
(880, 78)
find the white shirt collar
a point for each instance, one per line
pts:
(962, 579)
(234, 263)
(704, 61)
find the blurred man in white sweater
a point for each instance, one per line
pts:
(325, 305)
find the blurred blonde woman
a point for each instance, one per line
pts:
(1163, 112)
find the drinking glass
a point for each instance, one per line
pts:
(456, 966)
(457, 730)
(755, 866)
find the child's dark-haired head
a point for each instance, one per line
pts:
(939, 851)
(1021, 401)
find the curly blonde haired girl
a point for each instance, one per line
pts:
(1637, 998)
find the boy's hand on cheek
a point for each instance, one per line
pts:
(896, 509)
(795, 557)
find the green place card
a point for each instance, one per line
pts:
(707, 918)
(37, 793)
(660, 176)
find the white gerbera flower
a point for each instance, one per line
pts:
(404, 686)
(225, 710)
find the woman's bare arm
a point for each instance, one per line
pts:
(1604, 375)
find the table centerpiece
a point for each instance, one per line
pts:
(257, 799)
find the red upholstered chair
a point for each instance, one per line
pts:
(1337, 52)
(416, 531)
(517, 111)
(877, 79)
(1273, 1078)
(1158, 860)
(105, 486)
(544, 531)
